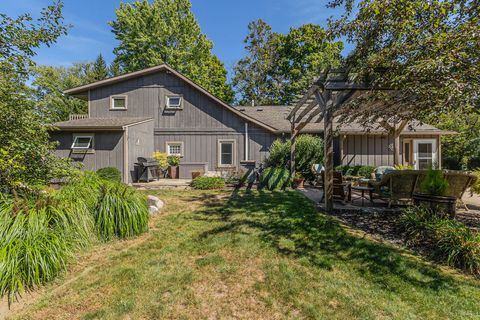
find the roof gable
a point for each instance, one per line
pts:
(83, 90)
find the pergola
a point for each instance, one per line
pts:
(323, 101)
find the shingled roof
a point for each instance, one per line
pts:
(100, 123)
(275, 116)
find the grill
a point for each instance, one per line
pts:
(147, 169)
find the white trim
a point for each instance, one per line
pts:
(167, 149)
(167, 102)
(219, 153)
(118, 96)
(434, 151)
(125, 155)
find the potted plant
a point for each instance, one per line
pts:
(162, 159)
(298, 181)
(173, 162)
(433, 194)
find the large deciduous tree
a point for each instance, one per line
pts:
(427, 52)
(166, 31)
(278, 67)
(26, 156)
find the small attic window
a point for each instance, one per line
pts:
(174, 102)
(118, 103)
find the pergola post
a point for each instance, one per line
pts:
(293, 144)
(328, 156)
(397, 131)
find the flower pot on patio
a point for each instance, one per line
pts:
(443, 205)
(196, 174)
(173, 172)
(299, 183)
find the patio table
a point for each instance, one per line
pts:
(363, 196)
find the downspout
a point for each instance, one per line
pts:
(246, 141)
(125, 154)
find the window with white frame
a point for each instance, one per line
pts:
(226, 153)
(174, 102)
(175, 148)
(82, 142)
(118, 102)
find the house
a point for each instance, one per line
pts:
(159, 109)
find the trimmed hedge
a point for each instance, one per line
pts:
(448, 240)
(364, 171)
(208, 183)
(110, 174)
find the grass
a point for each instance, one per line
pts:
(258, 255)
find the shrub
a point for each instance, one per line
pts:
(365, 171)
(161, 157)
(435, 183)
(476, 186)
(275, 178)
(110, 173)
(208, 183)
(121, 212)
(448, 240)
(309, 150)
(37, 238)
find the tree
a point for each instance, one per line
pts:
(26, 156)
(99, 69)
(50, 82)
(166, 31)
(280, 67)
(253, 77)
(427, 52)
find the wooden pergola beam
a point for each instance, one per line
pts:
(305, 111)
(302, 101)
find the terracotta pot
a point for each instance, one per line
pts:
(173, 172)
(439, 204)
(299, 183)
(196, 174)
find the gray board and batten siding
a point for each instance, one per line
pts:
(199, 124)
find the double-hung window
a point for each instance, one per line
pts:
(174, 102)
(82, 142)
(175, 148)
(118, 103)
(226, 153)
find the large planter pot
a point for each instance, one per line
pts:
(443, 205)
(173, 172)
(299, 183)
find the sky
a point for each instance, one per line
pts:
(223, 21)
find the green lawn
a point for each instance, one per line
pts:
(258, 255)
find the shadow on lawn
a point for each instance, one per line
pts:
(290, 223)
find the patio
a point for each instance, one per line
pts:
(380, 221)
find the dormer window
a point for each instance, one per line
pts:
(174, 102)
(118, 103)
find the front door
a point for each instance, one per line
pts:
(425, 153)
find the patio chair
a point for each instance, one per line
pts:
(380, 171)
(317, 169)
(397, 186)
(342, 191)
(458, 183)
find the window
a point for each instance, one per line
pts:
(82, 142)
(174, 102)
(118, 102)
(175, 149)
(226, 153)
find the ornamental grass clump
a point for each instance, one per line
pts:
(446, 239)
(37, 238)
(121, 212)
(208, 183)
(276, 178)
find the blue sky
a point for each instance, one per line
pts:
(223, 21)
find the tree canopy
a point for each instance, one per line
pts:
(279, 67)
(26, 156)
(166, 31)
(427, 52)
